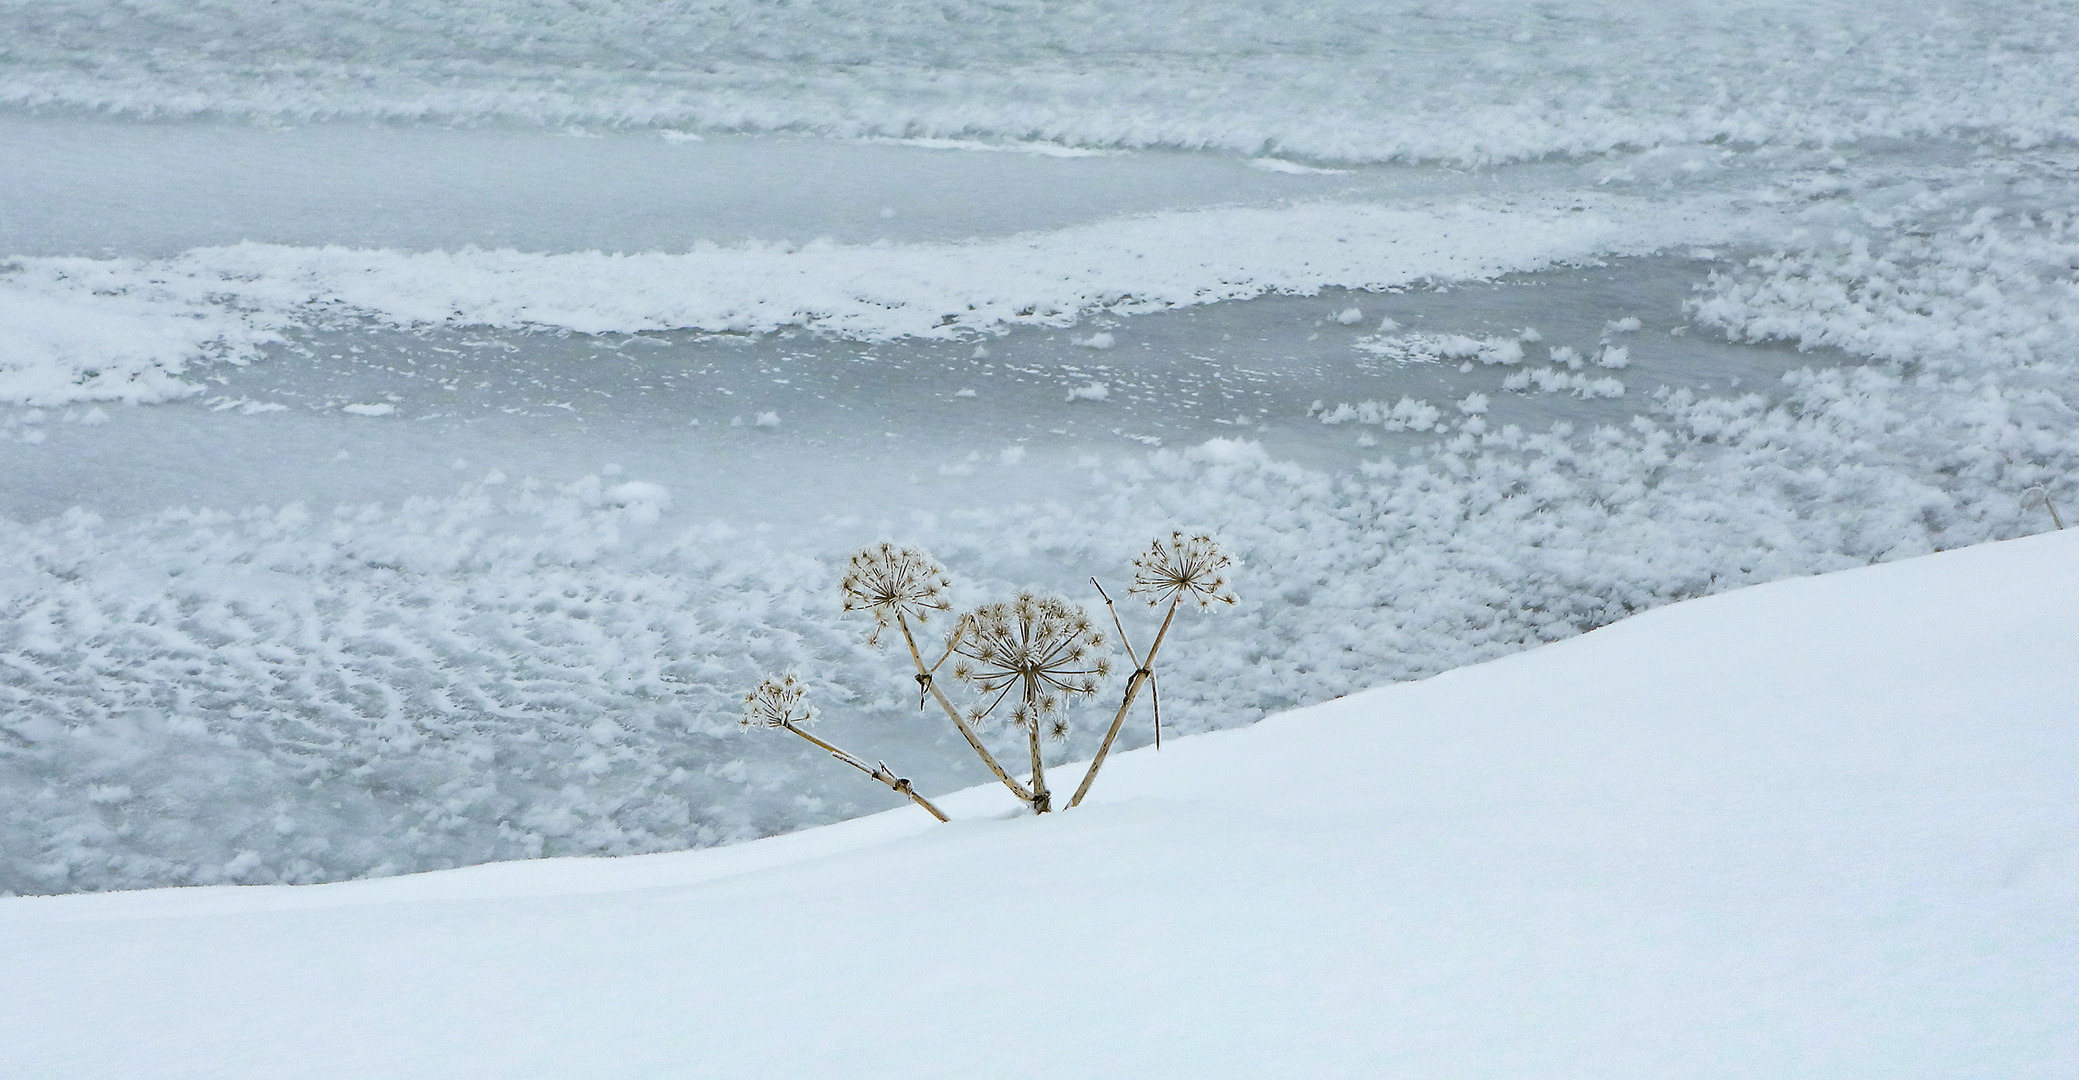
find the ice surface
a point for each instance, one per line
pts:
(1816, 828)
(73, 185)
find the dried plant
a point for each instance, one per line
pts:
(1039, 653)
(1035, 651)
(1183, 569)
(780, 702)
(2040, 496)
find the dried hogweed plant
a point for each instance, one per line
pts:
(780, 703)
(1026, 660)
(1035, 652)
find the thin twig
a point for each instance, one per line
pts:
(1116, 624)
(1154, 686)
(1155, 697)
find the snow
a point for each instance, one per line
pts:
(1407, 414)
(1814, 828)
(1552, 381)
(1100, 340)
(1292, 168)
(61, 343)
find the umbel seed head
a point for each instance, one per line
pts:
(1035, 652)
(778, 702)
(1183, 569)
(892, 581)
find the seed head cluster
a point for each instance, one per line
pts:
(1183, 569)
(778, 702)
(1035, 650)
(892, 581)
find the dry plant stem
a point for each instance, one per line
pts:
(1042, 800)
(1143, 668)
(1024, 794)
(878, 771)
(2040, 495)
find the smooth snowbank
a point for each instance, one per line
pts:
(1816, 828)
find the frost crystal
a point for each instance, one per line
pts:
(1183, 569)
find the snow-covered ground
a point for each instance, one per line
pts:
(420, 423)
(1819, 828)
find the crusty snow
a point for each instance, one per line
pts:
(1819, 828)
